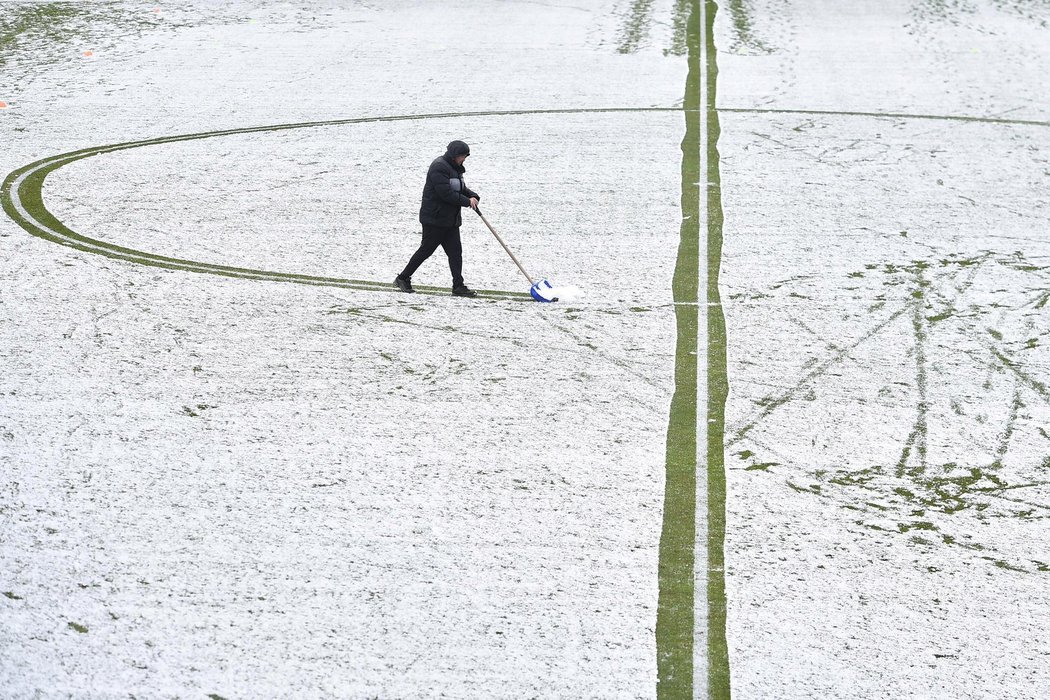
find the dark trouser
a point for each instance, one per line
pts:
(448, 238)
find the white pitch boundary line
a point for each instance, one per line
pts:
(700, 546)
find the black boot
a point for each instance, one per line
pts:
(463, 290)
(404, 284)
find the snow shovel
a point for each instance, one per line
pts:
(542, 290)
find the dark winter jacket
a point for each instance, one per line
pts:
(446, 193)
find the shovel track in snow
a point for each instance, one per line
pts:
(22, 199)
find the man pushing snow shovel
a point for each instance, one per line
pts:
(444, 196)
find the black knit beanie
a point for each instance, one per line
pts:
(458, 148)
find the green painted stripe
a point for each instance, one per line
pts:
(718, 676)
(677, 639)
(675, 618)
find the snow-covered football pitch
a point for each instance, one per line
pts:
(793, 442)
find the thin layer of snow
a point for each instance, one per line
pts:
(258, 488)
(885, 282)
(552, 293)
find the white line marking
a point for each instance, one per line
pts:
(700, 605)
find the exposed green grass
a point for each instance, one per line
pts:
(680, 22)
(741, 15)
(675, 625)
(637, 19)
(718, 673)
(47, 21)
(675, 619)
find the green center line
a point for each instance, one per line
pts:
(691, 649)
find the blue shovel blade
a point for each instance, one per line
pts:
(543, 291)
